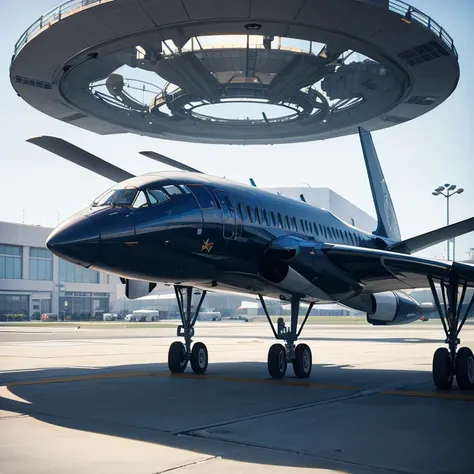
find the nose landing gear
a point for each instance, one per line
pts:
(279, 355)
(180, 354)
(450, 363)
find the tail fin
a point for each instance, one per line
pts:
(387, 225)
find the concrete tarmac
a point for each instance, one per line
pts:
(102, 400)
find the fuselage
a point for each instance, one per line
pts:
(194, 229)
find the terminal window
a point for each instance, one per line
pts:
(41, 264)
(75, 274)
(11, 261)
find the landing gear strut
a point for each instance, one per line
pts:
(279, 355)
(450, 362)
(180, 354)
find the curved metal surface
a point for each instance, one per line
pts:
(416, 66)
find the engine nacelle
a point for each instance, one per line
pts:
(388, 308)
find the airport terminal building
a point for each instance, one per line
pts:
(33, 281)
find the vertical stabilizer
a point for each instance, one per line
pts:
(387, 225)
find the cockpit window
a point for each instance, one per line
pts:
(156, 196)
(140, 201)
(116, 197)
(172, 189)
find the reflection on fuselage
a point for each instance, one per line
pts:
(189, 228)
(153, 226)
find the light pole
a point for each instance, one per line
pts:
(448, 190)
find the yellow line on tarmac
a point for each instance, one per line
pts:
(221, 378)
(77, 378)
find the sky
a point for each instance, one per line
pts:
(436, 148)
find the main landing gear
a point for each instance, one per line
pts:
(279, 355)
(180, 354)
(450, 362)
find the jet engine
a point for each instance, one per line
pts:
(389, 308)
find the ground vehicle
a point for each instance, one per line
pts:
(49, 317)
(143, 315)
(208, 314)
(110, 316)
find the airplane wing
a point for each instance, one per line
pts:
(379, 270)
(80, 157)
(168, 161)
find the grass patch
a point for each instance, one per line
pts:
(89, 325)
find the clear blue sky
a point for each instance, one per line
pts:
(416, 156)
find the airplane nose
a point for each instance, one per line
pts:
(76, 240)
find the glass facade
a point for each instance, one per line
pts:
(41, 264)
(82, 306)
(11, 261)
(14, 307)
(68, 272)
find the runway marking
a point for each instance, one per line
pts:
(220, 378)
(223, 378)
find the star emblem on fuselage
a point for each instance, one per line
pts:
(207, 245)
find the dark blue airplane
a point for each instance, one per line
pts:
(191, 230)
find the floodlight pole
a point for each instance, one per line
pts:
(449, 192)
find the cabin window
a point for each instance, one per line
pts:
(280, 223)
(265, 217)
(239, 211)
(249, 212)
(287, 222)
(156, 196)
(302, 225)
(258, 217)
(272, 215)
(315, 227)
(203, 196)
(140, 201)
(293, 220)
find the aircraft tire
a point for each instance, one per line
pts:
(177, 360)
(442, 373)
(277, 361)
(199, 358)
(303, 362)
(465, 369)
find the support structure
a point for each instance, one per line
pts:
(180, 354)
(450, 362)
(280, 355)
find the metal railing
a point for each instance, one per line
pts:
(53, 16)
(58, 13)
(413, 14)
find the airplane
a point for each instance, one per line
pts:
(200, 232)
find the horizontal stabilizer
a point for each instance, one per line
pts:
(81, 157)
(168, 161)
(434, 237)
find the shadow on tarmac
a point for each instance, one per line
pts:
(144, 402)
